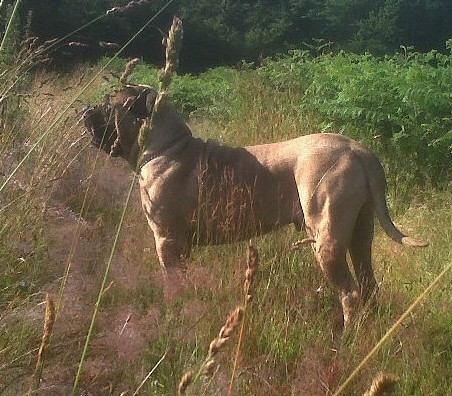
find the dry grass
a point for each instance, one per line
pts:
(208, 366)
(49, 321)
(293, 344)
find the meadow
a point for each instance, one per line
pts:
(61, 202)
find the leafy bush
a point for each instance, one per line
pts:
(205, 95)
(399, 105)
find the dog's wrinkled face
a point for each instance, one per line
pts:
(124, 109)
(100, 123)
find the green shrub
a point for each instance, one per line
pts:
(399, 105)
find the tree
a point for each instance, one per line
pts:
(227, 31)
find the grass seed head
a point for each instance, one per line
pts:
(209, 368)
(131, 5)
(130, 67)
(251, 270)
(49, 319)
(185, 382)
(253, 257)
(216, 345)
(382, 385)
(232, 322)
(226, 331)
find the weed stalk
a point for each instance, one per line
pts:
(206, 368)
(173, 45)
(49, 320)
(250, 274)
(101, 292)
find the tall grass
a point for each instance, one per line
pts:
(293, 344)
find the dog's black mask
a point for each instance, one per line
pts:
(100, 123)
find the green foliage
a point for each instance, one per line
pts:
(399, 105)
(206, 95)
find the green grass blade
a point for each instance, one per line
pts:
(101, 291)
(9, 26)
(392, 330)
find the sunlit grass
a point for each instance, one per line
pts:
(293, 343)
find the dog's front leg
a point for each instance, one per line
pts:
(170, 234)
(171, 254)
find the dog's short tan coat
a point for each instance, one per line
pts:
(196, 192)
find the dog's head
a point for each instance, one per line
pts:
(114, 125)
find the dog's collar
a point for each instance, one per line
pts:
(170, 150)
(145, 158)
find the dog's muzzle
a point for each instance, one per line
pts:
(100, 126)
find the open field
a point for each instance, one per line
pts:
(60, 210)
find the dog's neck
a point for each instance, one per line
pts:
(168, 136)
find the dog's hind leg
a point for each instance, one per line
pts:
(332, 227)
(332, 238)
(332, 259)
(360, 249)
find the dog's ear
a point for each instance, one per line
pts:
(151, 96)
(142, 101)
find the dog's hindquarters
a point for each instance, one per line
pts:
(340, 187)
(333, 193)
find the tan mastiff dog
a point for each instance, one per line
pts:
(204, 193)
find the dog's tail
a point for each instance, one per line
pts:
(377, 184)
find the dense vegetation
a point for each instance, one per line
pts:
(61, 202)
(219, 32)
(400, 106)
